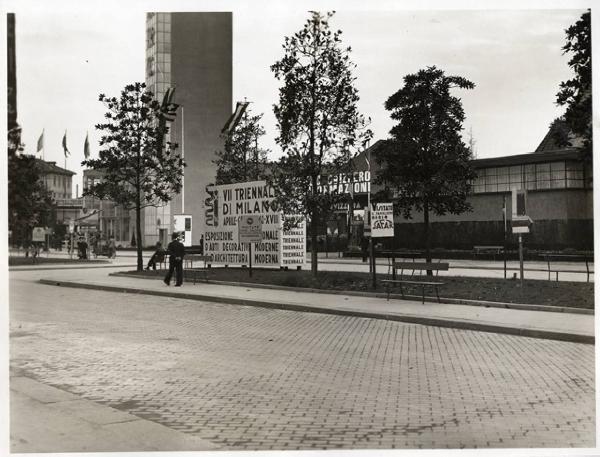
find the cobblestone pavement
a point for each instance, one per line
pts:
(249, 378)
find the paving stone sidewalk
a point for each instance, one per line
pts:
(539, 324)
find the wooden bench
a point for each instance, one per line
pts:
(549, 258)
(196, 271)
(487, 250)
(414, 266)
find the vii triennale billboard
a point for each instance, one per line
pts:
(226, 205)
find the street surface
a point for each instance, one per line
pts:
(250, 378)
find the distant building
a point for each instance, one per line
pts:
(193, 53)
(58, 181)
(559, 186)
(103, 215)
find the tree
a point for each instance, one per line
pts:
(29, 202)
(138, 169)
(241, 159)
(426, 165)
(318, 120)
(576, 93)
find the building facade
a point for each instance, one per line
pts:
(191, 52)
(559, 185)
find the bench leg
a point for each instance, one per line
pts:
(388, 291)
(423, 295)
(437, 293)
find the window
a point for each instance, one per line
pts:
(557, 175)
(529, 177)
(542, 171)
(574, 175)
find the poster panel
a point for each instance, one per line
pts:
(182, 223)
(226, 205)
(382, 220)
(293, 244)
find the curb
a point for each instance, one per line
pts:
(449, 301)
(438, 322)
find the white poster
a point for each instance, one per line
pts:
(182, 223)
(293, 245)
(382, 220)
(225, 206)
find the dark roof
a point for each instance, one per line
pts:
(558, 129)
(47, 168)
(529, 158)
(545, 155)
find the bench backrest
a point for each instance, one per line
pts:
(196, 257)
(421, 266)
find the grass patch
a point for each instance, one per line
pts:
(535, 292)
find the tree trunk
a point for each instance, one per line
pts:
(427, 235)
(314, 232)
(138, 234)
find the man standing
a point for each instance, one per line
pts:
(176, 251)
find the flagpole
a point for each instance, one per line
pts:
(182, 158)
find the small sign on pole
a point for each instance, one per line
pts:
(38, 234)
(250, 231)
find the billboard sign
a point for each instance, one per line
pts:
(226, 205)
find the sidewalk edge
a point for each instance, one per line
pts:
(354, 293)
(438, 322)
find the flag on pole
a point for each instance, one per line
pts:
(86, 147)
(168, 109)
(40, 143)
(234, 120)
(64, 145)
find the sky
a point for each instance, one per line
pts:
(67, 55)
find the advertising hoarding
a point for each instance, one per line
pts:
(226, 205)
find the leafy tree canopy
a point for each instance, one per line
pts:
(242, 159)
(426, 165)
(320, 127)
(29, 202)
(576, 93)
(137, 169)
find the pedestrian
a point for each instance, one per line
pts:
(176, 252)
(364, 247)
(112, 249)
(84, 249)
(157, 257)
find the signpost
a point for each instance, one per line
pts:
(250, 231)
(520, 221)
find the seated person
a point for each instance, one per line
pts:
(157, 257)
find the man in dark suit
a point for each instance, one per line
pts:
(176, 251)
